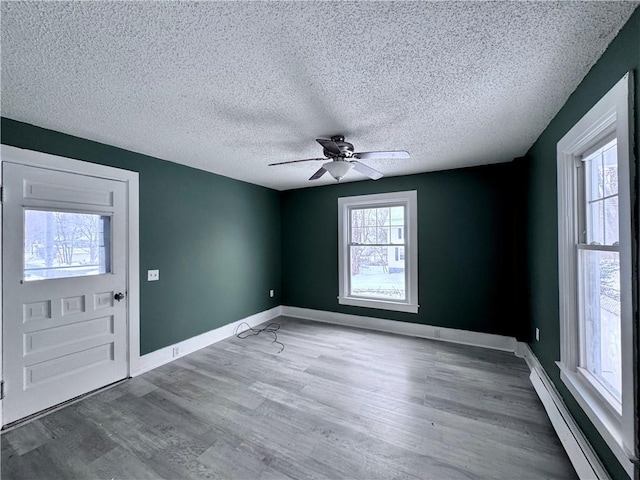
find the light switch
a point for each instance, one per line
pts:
(153, 275)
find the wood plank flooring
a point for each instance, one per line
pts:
(337, 403)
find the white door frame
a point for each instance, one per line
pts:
(54, 162)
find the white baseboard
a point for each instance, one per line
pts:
(582, 456)
(478, 339)
(165, 355)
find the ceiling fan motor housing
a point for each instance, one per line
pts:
(346, 148)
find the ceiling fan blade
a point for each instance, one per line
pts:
(377, 155)
(297, 161)
(318, 174)
(330, 146)
(366, 170)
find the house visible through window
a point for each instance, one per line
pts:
(378, 266)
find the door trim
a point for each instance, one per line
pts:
(131, 179)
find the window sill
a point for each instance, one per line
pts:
(379, 304)
(603, 418)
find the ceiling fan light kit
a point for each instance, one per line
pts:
(341, 154)
(338, 168)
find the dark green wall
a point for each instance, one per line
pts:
(215, 240)
(542, 226)
(467, 274)
(487, 237)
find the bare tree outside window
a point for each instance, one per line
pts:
(377, 271)
(65, 244)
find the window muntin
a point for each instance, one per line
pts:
(65, 244)
(378, 251)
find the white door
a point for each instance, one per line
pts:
(64, 287)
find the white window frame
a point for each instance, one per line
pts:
(409, 199)
(609, 115)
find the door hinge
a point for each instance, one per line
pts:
(2, 390)
(1, 194)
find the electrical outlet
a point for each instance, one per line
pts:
(537, 334)
(176, 351)
(153, 275)
(271, 293)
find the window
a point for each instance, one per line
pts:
(594, 253)
(378, 251)
(599, 270)
(65, 244)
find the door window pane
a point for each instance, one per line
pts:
(65, 244)
(600, 287)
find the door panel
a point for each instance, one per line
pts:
(64, 259)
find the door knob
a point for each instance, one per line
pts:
(119, 296)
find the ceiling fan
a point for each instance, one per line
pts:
(343, 159)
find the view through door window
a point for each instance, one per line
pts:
(65, 244)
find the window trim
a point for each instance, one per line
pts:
(610, 114)
(410, 201)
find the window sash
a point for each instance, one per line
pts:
(390, 228)
(588, 191)
(595, 322)
(382, 298)
(599, 319)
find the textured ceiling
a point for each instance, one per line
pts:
(231, 87)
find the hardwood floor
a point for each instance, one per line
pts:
(336, 403)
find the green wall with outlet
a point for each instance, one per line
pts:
(215, 240)
(621, 56)
(466, 235)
